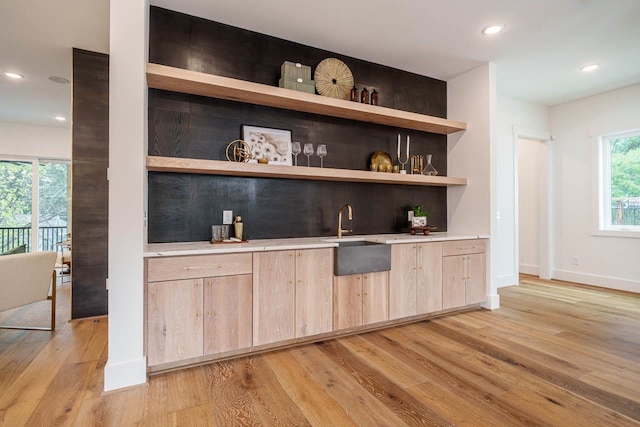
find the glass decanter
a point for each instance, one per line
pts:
(429, 169)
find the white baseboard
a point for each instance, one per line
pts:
(596, 280)
(507, 280)
(534, 270)
(126, 374)
(492, 302)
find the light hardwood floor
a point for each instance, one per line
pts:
(555, 354)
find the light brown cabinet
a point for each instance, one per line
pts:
(314, 291)
(403, 281)
(227, 313)
(292, 299)
(428, 277)
(203, 306)
(273, 296)
(464, 273)
(360, 299)
(191, 315)
(416, 279)
(174, 320)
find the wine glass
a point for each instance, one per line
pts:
(308, 151)
(322, 151)
(295, 149)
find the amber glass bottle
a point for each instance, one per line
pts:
(364, 96)
(354, 94)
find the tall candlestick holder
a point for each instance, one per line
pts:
(406, 156)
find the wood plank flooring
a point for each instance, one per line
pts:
(555, 354)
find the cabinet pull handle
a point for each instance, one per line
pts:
(196, 268)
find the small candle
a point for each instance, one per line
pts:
(398, 146)
(408, 146)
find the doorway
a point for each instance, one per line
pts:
(532, 213)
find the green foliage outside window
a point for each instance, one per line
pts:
(625, 167)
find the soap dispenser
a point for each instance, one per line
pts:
(238, 225)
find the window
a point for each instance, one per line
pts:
(619, 182)
(28, 187)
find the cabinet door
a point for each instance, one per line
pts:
(174, 320)
(347, 292)
(453, 281)
(429, 277)
(273, 296)
(375, 297)
(227, 313)
(475, 291)
(314, 291)
(402, 286)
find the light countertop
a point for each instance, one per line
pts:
(260, 245)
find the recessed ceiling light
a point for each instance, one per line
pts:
(589, 68)
(492, 29)
(58, 79)
(61, 118)
(13, 75)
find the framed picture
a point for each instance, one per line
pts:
(266, 143)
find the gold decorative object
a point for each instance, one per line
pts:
(381, 162)
(333, 79)
(238, 151)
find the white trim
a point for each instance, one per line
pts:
(35, 203)
(597, 280)
(508, 280)
(492, 302)
(11, 158)
(616, 233)
(534, 270)
(532, 134)
(125, 374)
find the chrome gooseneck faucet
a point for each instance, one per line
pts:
(350, 212)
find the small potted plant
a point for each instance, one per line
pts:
(419, 218)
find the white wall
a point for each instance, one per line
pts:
(514, 116)
(604, 261)
(28, 140)
(126, 364)
(471, 98)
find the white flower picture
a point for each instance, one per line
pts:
(266, 143)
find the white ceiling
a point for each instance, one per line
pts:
(538, 56)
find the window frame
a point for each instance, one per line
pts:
(602, 219)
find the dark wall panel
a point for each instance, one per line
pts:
(90, 203)
(182, 207)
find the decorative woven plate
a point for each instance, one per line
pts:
(333, 78)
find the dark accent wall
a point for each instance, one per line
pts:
(183, 206)
(90, 190)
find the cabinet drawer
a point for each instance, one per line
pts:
(191, 267)
(463, 247)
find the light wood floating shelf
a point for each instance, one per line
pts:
(217, 167)
(195, 83)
